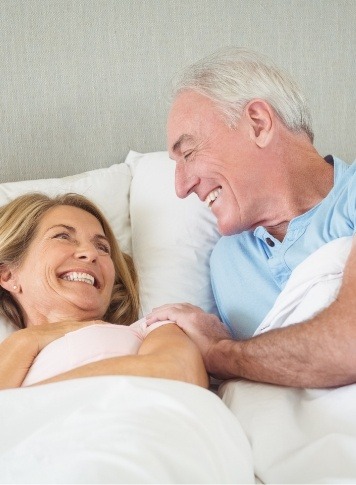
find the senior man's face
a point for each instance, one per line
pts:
(213, 161)
(68, 271)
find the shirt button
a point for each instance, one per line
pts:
(270, 242)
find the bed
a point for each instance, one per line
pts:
(143, 430)
(83, 103)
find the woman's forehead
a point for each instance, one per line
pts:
(69, 215)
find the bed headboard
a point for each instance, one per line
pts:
(84, 81)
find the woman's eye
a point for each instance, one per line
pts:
(104, 248)
(61, 235)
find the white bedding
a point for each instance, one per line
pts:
(313, 285)
(120, 430)
(297, 435)
(300, 435)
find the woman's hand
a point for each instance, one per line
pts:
(18, 351)
(39, 336)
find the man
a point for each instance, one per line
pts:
(240, 133)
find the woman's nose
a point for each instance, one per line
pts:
(86, 252)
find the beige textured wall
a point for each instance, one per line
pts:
(84, 81)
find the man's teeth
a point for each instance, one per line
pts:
(84, 277)
(214, 194)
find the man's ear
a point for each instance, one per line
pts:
(8, 280)
(261, 119)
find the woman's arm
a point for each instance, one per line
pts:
(166, 352)
(19, 350)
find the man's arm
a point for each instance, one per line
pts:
(320, 352)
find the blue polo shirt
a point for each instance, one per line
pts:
(249, 270)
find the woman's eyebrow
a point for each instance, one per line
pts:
(69, 228)
(73, 230)
(101, 236)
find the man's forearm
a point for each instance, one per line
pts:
(317, 353)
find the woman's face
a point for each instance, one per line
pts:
(68, 272)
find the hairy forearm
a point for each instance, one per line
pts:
(317, 353)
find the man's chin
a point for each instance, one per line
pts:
(226, 230)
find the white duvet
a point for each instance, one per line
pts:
(120, 430)
(300, 435)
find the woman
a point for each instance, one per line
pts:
(62, 276)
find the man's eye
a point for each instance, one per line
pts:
(187, 155)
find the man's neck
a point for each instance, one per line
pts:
(306, 181)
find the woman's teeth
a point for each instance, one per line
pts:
(214, 194)
(74, 276)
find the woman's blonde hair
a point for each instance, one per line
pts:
(19, 220)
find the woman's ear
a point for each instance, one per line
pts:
(8, 281)
(261, 119)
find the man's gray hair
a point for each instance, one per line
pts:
(232, 77)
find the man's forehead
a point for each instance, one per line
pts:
(185, 118)
(178, 128)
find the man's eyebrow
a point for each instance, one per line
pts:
(183, 138)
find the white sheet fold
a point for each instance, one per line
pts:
(312, 286)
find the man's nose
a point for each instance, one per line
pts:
(184, 182)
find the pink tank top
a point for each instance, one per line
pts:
(88, 344)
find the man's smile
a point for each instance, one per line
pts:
(212, 196)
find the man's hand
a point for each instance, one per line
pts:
(205, 329)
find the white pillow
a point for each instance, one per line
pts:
(171, 238)
(107, 187)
